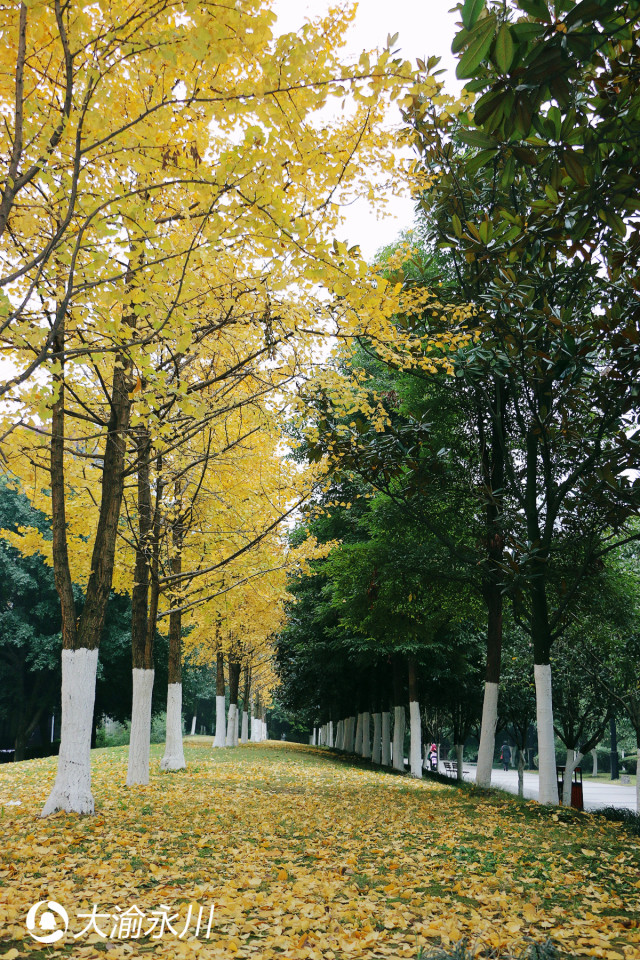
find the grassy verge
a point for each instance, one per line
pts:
(307, 856)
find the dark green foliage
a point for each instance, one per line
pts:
(30, 639)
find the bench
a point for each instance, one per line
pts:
(451, 768)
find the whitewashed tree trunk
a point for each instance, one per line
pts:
(594, 754)
(573, 760)
(386, 739)
(398, 738)
(460, 760)
(521, 773)
(415, 746)
(173, 758)
(331, 735)
(245, 726)
(351, 734)
(546, 746)
(221, 706)
(140, 739)
(231, 725)
(376, 749)
(72, 788)
(357, 746)
(487, 747)
(314, 737)
(193, 725)
(366, 735)
(265, 732)
(236, 728)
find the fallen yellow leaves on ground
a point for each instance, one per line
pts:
(305, 856)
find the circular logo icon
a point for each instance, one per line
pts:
(47, 921)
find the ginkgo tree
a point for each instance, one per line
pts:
(216, 151)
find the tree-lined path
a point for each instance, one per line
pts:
(307, 856)
(597, 794)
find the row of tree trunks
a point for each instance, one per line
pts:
(353, 734)
(237, 726)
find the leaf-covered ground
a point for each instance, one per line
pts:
(306, 856)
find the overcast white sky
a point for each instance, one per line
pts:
(425, 28)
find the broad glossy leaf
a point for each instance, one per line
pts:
(536, 8)
(477, 138)
(471, 10)
(478, 48)
(504, 49)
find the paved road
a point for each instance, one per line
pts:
(597, 794)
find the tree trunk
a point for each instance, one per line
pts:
(265, 732)
(399, 721)
(460, 760)
(140, 739)
(366, 735)
(141, 650)
(493, 469)
(246, 698)
(385, 754)
(351, 730)
(486, 750)
(415, 746)
(521, 773)
(221, 702)
(573, 760)
(255, 720)
(615, 772)
(173, 758)
(548, 792)
(234, 683)
(399, 715)
(376, 750)
(357, 746)
(72, 788)
(594, 755)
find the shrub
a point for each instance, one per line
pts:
(159, 728)
(118, 735)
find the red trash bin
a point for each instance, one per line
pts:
(577, 800)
